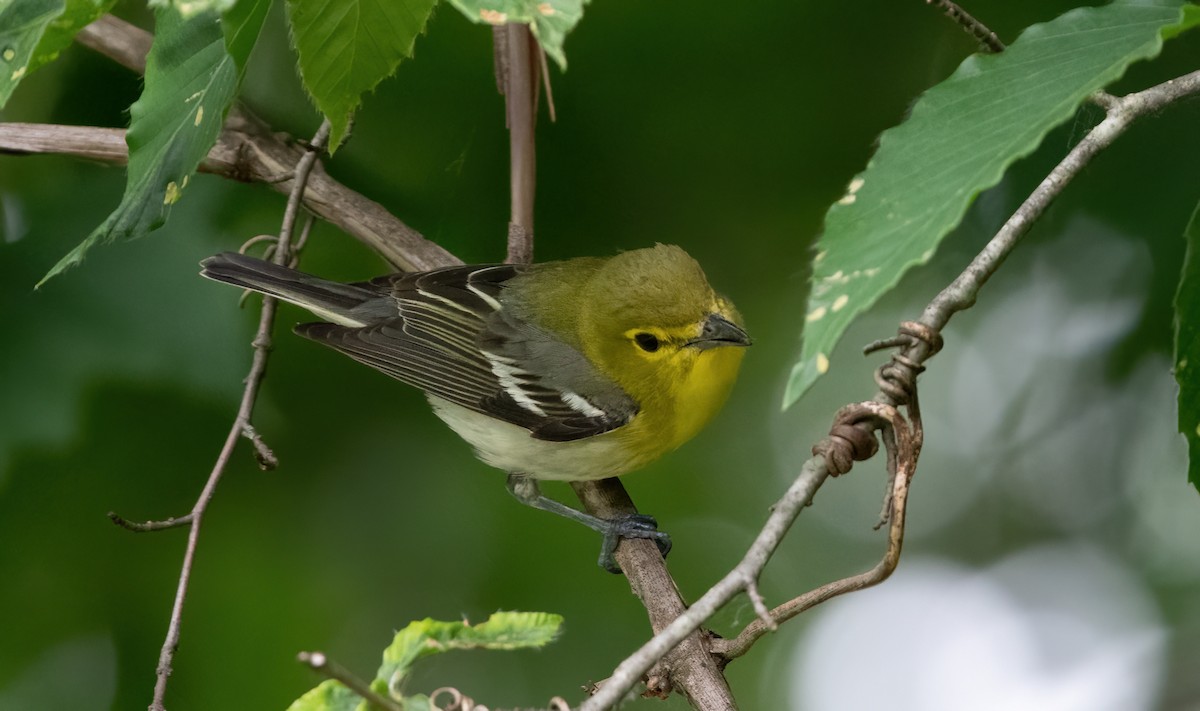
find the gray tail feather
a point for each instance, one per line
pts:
(313, 293)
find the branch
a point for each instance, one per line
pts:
(240, 428)
(812, 475)
(690, 666)
(517, 76)
(248, 152)
(921, 341)
(118, 40)
(962, 292)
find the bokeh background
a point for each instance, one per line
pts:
(1053, 560)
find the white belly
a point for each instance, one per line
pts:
(512, 449)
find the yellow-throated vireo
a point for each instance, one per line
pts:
(574, 370)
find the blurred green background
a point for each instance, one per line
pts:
(1053, 560)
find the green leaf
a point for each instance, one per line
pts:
(190, 83)
(329, 695)
(503, 630)
(241, 25)
(347, 47)
(62, 30)
(22, 24)
(1187, 347)
(549, 20)
(959, 139)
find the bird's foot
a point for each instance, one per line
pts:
(629, 526)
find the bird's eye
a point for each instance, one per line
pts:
(646, 341)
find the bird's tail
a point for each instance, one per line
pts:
(340, 303)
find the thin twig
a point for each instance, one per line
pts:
(262, 348)
(962, 291)
(760, 608)
(975, 28)
(961, 294)
(150, 526)
(323, 665)
(266, 458)
(731, 649)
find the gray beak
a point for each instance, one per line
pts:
(720, 331)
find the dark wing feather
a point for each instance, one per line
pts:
(447, 333)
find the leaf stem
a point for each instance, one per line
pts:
(322, 664)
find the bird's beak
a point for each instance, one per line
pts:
(719, 331)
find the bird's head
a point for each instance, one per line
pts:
(651, 321)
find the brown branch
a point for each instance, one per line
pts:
(247, 151)
(690, 665)
(517, 76)
(106, 145)
(118, 40)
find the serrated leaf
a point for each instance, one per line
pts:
(190, 83)
(347, 47)
(959, 139)
(549, 20)
(503, 630)
(1187, 347)
(329, 695)
(22, 25)
(62, 30)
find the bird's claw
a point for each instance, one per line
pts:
(630, 526)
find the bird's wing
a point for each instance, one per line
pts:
(450, 336)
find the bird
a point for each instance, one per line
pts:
(572, 370)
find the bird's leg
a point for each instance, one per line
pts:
(526, 490)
